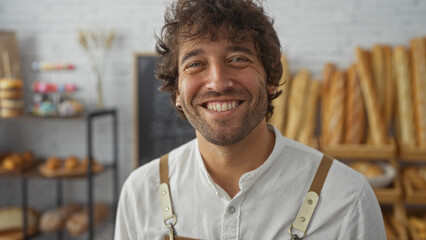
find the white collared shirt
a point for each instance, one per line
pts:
(265, 207)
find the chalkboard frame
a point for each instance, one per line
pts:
(147, 146)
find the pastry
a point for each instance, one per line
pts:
(7, 83)
(53, 163)
(12, 162)
(12, 103)
(10, 113)
(71, 163)
(11, 94)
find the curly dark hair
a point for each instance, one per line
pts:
(194, 19)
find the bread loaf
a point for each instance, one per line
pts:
(309, 122)
(78, 223)
(375, 120)
(336, 104)
(418, 56)
(378, 64)
(11, 219)
(54, 220)
(390, 88)
(404, 91)
(299, 88)
(390, 231)
(278, 119)
(355, 120)
(327, 75)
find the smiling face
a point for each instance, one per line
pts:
(222, 89)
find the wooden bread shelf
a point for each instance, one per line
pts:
(360, 151)
(412, 154)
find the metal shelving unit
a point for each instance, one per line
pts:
(33, 173)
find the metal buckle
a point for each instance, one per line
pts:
(295, 236)
(171, 224)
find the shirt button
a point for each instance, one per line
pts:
(231, 209)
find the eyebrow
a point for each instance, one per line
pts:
(190, 54)
(240, 49)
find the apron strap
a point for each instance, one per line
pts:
(169, 218)
(311, 199)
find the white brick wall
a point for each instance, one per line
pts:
(312, 32)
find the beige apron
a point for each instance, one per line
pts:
(300, 223)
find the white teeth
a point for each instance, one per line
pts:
(222, 107)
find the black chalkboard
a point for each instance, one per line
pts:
(158, 126)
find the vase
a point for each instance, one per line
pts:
(99, 92)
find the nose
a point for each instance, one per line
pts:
(218, 79)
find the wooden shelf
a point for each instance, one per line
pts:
(361, 151)
(412, 154)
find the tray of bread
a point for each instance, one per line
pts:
(70, 166)
(383, 177)
(16, 163)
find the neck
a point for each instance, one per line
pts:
(226, 164)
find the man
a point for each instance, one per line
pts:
(240, 178)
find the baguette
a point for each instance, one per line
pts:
(375, 120)
(299, 86)
(54, 220)
(336, 105)
(78, 222)
(390, 232)
(309, 123)
(378, 64)
(355, 123)
(278, 119)
(405, 103)
(390, 88)
(328, 72)
(418, 56)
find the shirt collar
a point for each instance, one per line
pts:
(249, 178)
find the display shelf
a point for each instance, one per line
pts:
(411, 154)
(360, 151)
(391, 194)
(33, 172)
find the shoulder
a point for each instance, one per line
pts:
(148, 174)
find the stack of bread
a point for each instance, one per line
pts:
(11, 91)
(73, 217)
(418, 225)
(296, 109)
(360, 104)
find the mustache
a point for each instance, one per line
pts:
(225, 93)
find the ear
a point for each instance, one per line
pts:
(177, 98)
(272, 89)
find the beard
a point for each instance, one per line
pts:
(229, 131)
